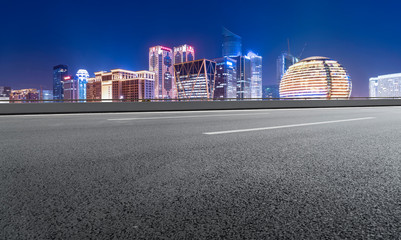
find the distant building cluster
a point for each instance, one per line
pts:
(175, 74)
(385, 86)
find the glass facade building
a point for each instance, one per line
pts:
(82, 77)
(46, 94)
(316, 77)
(284, 61)
(161, 63)
(226, 78)
(244, 77)
(59, 73)
(232, 44)
(195, 79)
(385, 86)
(256, 78)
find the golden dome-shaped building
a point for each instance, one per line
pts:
(316, 77)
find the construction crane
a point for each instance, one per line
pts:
(302, 52)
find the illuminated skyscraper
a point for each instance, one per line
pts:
(195, 79)
(256, 78)
(119, 84)
(161, 63)
(232, 44)
(82, 77)
(244, 77)
(59, 73)
(316, 77)
(284, 61)
(385, 86)
(226, 78)
(184, 53)
(70, 86)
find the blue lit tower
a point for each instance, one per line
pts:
(59, 73)
(284, 61)
(256, 79)
(232, 46)
(226, 78)
(244, 77)
(82, 76)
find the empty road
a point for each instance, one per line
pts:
(244, 174)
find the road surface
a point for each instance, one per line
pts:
(244, 174)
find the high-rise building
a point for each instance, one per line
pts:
(70, 86)
(244, 77)
(385, 86)
(94, 89)
(226, 78)
(256, 78)
(195, 79)
(316, 77)
(46, 95)
(161, 63)
(30, 95)
(82, 77)
(232, 44)
(5, 91)
(184, 53)
(59, 73)
(284, 61)
(119, 84)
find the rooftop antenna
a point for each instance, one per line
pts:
(302, 52)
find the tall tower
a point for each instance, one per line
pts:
(59, 73)
(256, 79)
(184, 53)
(70, 86)
(284, 61)
(161, 63)
(82, 76)
(244, 77)
(226, 78)
(232, 44)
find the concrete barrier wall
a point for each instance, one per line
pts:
(43, 108)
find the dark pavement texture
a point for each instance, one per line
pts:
(86, 177)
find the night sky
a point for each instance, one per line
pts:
(364, 36)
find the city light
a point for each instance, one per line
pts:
(316, 77)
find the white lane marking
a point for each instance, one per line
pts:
(286, 126)
(190, 116)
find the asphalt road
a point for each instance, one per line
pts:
(264, 174)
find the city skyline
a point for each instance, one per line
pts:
(349, 34)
